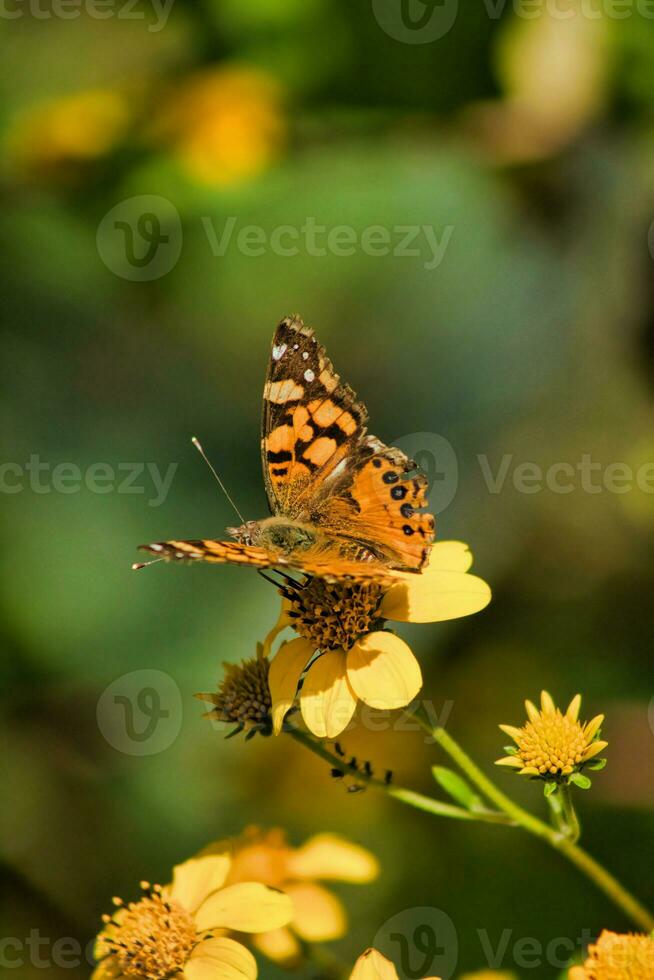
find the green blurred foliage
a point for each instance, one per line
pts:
(533, 339)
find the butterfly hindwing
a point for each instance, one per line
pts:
(383, 506)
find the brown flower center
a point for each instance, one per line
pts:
(552, 743)
(243, 697)
(151, 939)
(334, 615)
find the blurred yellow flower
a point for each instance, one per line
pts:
(243, 696)
(74, 129)
(553, 744)
(179, 930)
(489, 975)
(224, 124)
(359, 660)
(266, 856)
(617, 957)
(371, 965)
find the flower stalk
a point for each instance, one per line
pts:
(507, 812)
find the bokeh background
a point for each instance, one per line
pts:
(531, 340)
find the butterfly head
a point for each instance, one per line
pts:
(247, 533)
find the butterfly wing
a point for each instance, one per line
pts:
(312, 422)
(326, 563)
(321, 467)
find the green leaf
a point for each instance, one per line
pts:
(456, 787)
(596, 764)
(583, 782)
(550, 788)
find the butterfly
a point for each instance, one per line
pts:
(343, 504)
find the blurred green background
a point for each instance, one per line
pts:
(532, 339)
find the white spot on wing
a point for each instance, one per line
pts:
(305, 355)
(309, 375)
(156, 547)
(278, 352)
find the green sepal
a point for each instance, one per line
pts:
(456, 787)
(549, 788)
(583, 782)
(510, 749)
(596, 765)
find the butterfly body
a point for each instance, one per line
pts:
(343, 504)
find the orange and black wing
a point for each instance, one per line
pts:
(326, 563)
(312, 422)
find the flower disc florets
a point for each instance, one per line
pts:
(150, 939)
(243, 696)
(334, 615)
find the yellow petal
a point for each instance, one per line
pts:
(371, 965)
(246, 907)
(512, 732)
(509, 760)
(546, 703)
(327, 701)
(220, 958)
(573, 708)
(284, 675)
(196, 879)
(434, 597)
(383, 671)
(319, 916)
(449, 556)
(332, 858)
(532, 711)
(279, 945)
(279, 627)
(593, 726)
(594, 748)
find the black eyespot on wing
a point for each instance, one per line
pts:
(407, 530)
(390, 477)
(399, 492)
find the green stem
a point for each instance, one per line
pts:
(408, 796)
(602, 878)
(571, 823)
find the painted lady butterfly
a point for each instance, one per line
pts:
(344, 505)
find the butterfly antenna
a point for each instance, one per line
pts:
(196, 443)
(144, 564)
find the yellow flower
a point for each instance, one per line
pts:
(224, 124)
(243, 696)
(76, 128)
(266, 856)
(179, 930)
(553, 745)
(617, 957)
(371, 965)
(359, 660)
